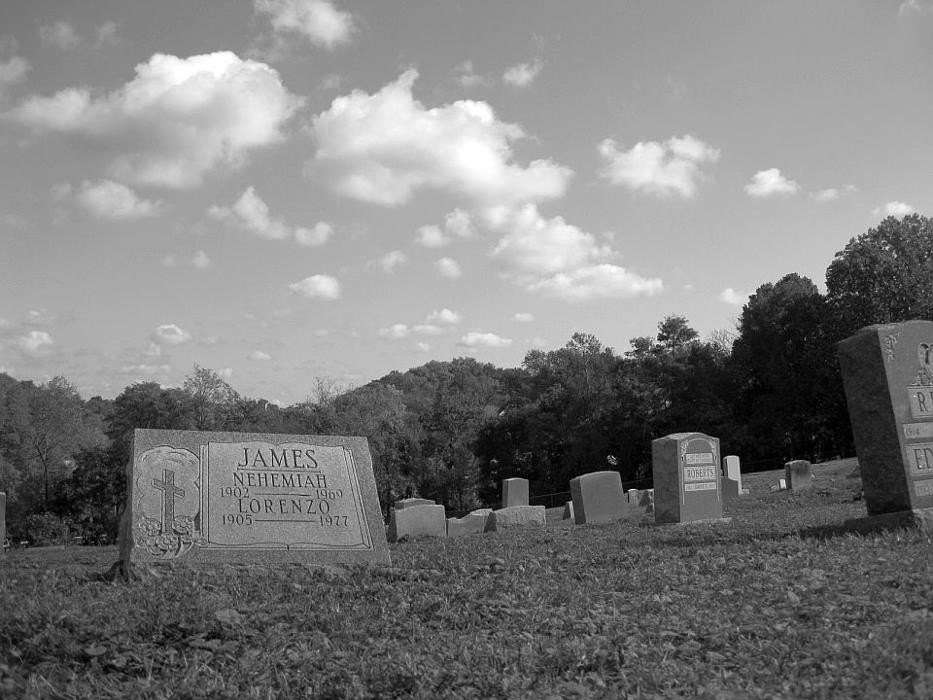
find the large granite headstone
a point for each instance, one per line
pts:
(798, 475)
(419, 520)
(2, 523)
(686, 478)
(514, 492)
(887, 371)
(597, 497)
(241, 497)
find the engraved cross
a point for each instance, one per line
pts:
(169, 492)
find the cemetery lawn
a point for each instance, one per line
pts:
(779, 602)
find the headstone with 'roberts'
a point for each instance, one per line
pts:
(686, 478)
(253, 498)
(887, 371)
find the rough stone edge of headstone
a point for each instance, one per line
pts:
(916, 519)
(708, 521)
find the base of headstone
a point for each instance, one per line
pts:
(689, 523)
(516, 516)
(916, 519)
(744, 492)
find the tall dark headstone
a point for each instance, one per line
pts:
(887, 371)
(686, 478)
(240, 497)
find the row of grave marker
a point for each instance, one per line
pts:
(205, 497)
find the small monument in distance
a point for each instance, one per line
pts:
(887, 371)
(514, 492)
(798, 475)
(686, 478)
(203, 497)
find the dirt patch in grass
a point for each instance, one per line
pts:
(757, 607)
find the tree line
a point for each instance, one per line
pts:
(770, 389)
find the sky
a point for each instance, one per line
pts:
(287, 191)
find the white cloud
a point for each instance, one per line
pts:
(523, 317)
(316, 20)
(381, 148)
(107, 33)
(61, 35)
(431, 236)
(114, 201)
(603, 281)
(171, 334)
(459, 223)
(146, 370)
(523, 74)
(911, 7)
(177, 120)
(259, 356)
(828, 195)
(392, 260)
(477, 339)
(13, 71)
(468, 77)
(319, 234)
(427, 329)
(535, 246)
(199, 260)
(560, 260)
(395, 332)
(422, 346)
(449, 267)
(251, 213)
(444, 316)
(897, 209)
(770, 183)
(317, 287)
(732, 297)
(35, 342)
(661, 169)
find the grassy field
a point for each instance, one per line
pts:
(779, 602)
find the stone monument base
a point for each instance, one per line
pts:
(688, 523)
(916, 519)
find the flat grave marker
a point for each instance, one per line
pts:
(686, 478)
(887, 371)
(257, 498)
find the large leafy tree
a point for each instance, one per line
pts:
(882, 276)
(790, 399)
